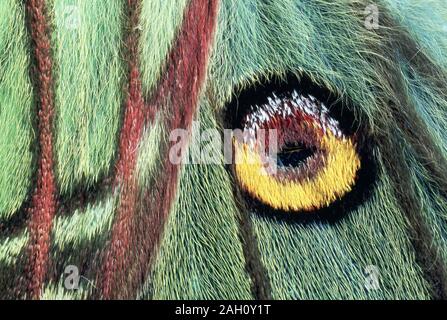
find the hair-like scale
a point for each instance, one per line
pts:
(89, 94)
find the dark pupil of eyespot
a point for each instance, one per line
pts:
(294, 154)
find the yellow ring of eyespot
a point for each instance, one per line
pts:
(331, 182)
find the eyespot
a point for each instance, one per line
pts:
(294, 154)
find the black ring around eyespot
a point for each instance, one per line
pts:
(257, 94)
(240, 106)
